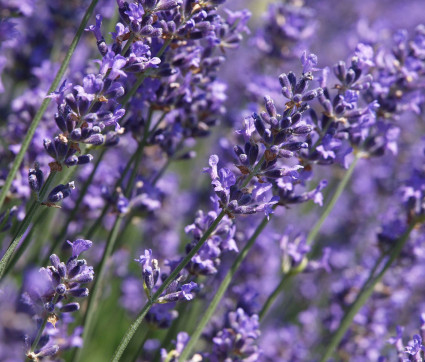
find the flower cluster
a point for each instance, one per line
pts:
(303, 237)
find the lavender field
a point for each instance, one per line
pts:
(212, 180)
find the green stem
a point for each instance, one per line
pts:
(139, 155)
(40, 331)
(253, 172)
(62, 233)
(23, 226)
(329, 207)
(37, 118)
(99, 220)
(272, 297)
(97, 285)
(135, 325)
(365, 293)
(310, 238)
(221, 290)
(128, 44)
(28, 237)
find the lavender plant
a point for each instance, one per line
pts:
(251, 179)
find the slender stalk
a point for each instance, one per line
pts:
(365, 293)
(128, 44)
(62, 233)
(99, 220)
(161, 171)
(41, 329)
(135, 325)
(310, 238)
(39, 333)
(23, 226)
(139, 154)
(253, 172)
(97, 285)
(221, 290)
(26, 241)
(329, 207)
(272, 297)
(143, 338)
(37, 118)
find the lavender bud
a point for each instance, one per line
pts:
(284, 81)
(83, 278)
(49, 307)
(71, 161)
(49, 147)
(54, 259)
(147, 30)
(273, 174)
(83, 105)
(268, 136)
(155, 270)
(148, 278)
(253, 154)
(165, 5)
(70, 123)
(61, 289)
(302, 130)
(102, 47)
(286, 154)
(309, 96)
(302, 84)
(60, 192)
(79, 292)
(69, 308)
(169, 298)
(285, 122)
(156, 33)
(61, 269)
(95, 139)
(84, 159)
(238, 150)
(243, 158)
(350, 76)
(61, 146)
(280, 137)
(270, 107)
(48, 351)
(296, 118)
(60, 122)
(295, 146)
(71, 102)
(259, 125)
(340, 70)
(35, 178)
(76, 135)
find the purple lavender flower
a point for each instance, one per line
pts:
(182, 339)
(238, 340)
